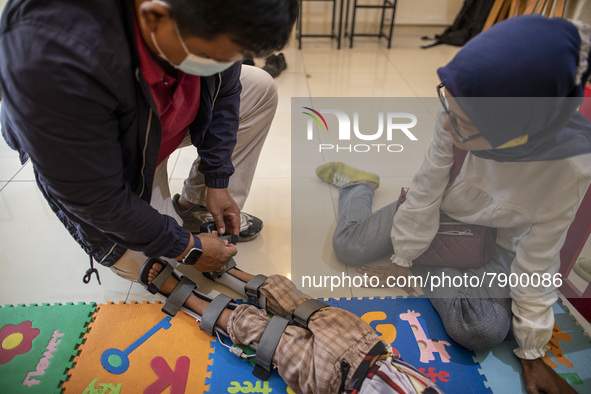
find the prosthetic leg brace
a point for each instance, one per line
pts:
(181, 292)
(251, 290)
(185, 287)
(272, 334)
(312, 350)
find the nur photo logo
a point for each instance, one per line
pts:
(390, 125)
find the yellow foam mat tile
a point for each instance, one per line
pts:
(135, 348)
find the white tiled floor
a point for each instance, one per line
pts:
(39, 262)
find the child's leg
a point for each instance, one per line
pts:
(282, 296)
(193, 302)
(310, 360)
(294, 355)
(246, 326)
(243, 283)
(277, 294)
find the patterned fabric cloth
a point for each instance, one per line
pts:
(383, 372)
(310, 360)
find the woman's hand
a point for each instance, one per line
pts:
(538, 376)
(394, 271)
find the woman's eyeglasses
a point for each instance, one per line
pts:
(451, 116)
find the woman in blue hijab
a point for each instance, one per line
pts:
(509, 97)
(522, 81)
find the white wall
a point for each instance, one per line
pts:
(579, 9)
(427, 12)
(317, 14)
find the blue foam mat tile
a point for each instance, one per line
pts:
(452, 367)
(387, 316)
(503, 369)
(230, 374)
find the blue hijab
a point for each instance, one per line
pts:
(517, 79)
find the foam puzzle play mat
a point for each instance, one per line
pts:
(136, 348)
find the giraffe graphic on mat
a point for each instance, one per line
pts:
(427, 346)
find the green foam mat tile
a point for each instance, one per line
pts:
(37, 344)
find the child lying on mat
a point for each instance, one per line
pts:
(320, 349)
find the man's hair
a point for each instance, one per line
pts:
(259, 26)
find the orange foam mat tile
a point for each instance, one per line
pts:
(131, 348)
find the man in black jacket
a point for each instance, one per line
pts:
(97, 94)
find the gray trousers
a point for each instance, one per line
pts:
(258, 102)
(477, 319)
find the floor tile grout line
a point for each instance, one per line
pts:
(128, 292)
(14, 176)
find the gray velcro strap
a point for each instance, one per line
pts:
(231, 264)
(161, 278)
(301, 316)
(212, 313)
(267, 345)
(252, 288)
(179, 295)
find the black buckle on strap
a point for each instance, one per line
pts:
(217, 274)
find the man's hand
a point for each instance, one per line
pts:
(538, 376)
(394, 271)
(216, 253)
(224, 210)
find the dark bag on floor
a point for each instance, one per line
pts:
(457, 244)
(468, 23)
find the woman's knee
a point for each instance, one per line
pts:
(348, 252)
(482, 336)
(469, 321)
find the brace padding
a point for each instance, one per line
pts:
(232, 282)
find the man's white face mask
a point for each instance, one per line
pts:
(192, 64)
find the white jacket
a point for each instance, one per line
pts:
(532, 204)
